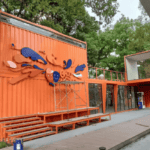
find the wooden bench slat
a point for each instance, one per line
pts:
(28, 132)
(21, 120)
(38, 135)
(22, 124)
(25, 128)
(77, 118)
(47, 113)
(16, 117)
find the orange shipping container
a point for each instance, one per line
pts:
(34, 94)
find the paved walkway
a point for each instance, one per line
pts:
(121, 130)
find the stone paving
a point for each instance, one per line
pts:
(120, 130)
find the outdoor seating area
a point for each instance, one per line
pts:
(34, 126)
(73, 121)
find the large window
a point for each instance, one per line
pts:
(126, 98)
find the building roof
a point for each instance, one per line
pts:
(146, 5)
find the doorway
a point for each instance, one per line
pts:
(121, 99)
(110, 100)
(95, 97)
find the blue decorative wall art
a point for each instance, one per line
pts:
(56, 76)
(80, 68)
(24, 65)
(36, 67)
(68, 64)
(27, 52)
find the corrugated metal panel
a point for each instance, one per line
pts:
(33, 95)
(36, 29)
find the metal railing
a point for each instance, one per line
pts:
(104, 74)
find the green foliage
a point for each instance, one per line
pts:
(119, 41)
(84, 25)
(51, 24)
(105, 9)
(3, 144)
(140, 38)
(66, 16)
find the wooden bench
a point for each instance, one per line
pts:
(37, 135)
(22, 134)
(73, 121)
(6, 127)
(9, 119)
(65, 112)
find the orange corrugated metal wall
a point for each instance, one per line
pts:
(33, 95)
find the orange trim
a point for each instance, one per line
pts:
(116, 96)
(124, 111)
(138, 81)
(98, 81)
(125, 69)
(137, 53)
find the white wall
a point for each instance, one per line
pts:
(132, 70)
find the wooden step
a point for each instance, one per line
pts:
(37, 135)
(16, 117)
(23, 124)
(26, 128)
(30, 132)
(20, 120)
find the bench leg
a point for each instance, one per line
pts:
(4, 133)
(87, 123)
(44, 119)
(73, 126)
(109, 117)
(61, 116)
(56, 129)
(99, 119)
(1, 132)
(88, 112)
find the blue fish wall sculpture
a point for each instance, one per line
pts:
(56, 76)
(51, 84)
(24, 65)
(36, 67)
(80, 68)
(68, 64)
(27, 52)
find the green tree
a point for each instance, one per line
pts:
(105, 9)
(117, 40)
(61, 15)
(99, 47)
(84, 25)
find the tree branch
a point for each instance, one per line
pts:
(6, 6)
(21, 8)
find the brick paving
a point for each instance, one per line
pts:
(108, 137)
